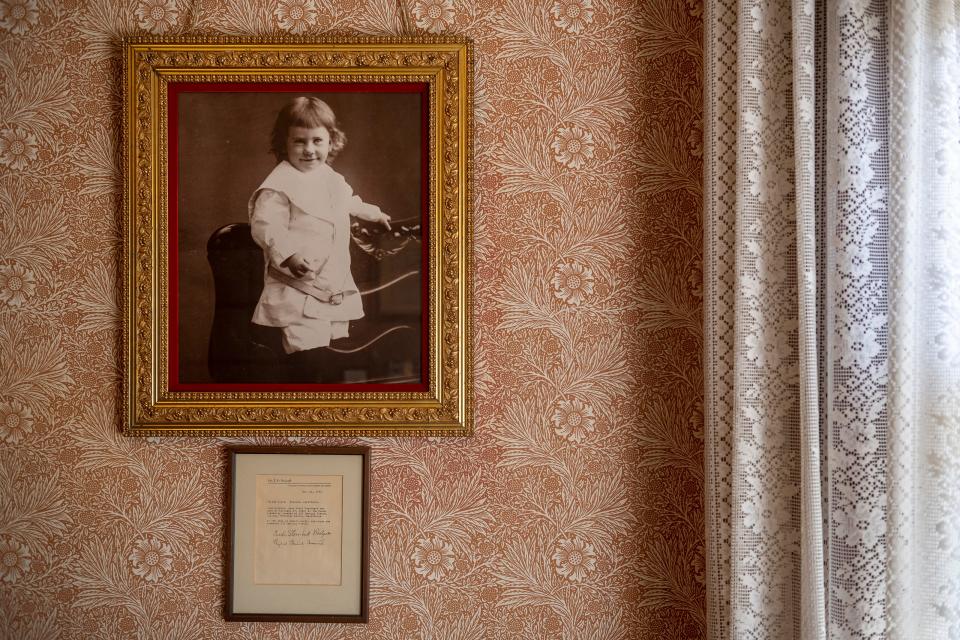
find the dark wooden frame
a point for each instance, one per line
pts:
(230, 485)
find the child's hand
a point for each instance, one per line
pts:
(371, 213)
(297, 264)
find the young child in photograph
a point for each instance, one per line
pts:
(300, 217)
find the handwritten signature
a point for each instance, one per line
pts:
(300, 537)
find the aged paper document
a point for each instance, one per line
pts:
(299, 530)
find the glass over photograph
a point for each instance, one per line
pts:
(300, 249)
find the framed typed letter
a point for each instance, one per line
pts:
(297, 237)
(297, 534)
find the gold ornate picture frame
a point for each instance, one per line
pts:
(269, 286)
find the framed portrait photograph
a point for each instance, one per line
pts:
(297, 534)
(297, 225)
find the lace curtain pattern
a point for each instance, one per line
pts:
(832, 302)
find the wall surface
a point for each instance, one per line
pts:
(574, 512)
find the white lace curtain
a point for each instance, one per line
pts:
(832, 253)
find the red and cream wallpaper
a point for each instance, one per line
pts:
(574, 512)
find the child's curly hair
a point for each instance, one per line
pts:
(306, 112)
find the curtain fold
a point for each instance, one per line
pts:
(832, 318)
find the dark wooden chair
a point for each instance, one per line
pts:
(383, 347)
(236, 353)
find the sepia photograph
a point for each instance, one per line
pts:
(300, 235)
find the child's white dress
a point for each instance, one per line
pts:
(307, 213)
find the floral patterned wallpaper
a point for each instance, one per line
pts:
(574, 512)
